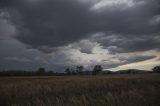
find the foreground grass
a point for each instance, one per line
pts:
(107, 90)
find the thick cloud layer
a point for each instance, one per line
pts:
(82, 32)
(122, 44)
(51, 22)
(54, 23)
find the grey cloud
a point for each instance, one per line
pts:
(6, 29)
(57, 23)
(122, 44)
(17, 59)
(85, 46)
(15, 55)
(52, 23)
(44, 29)
(139, 58)
(141, 44)
(130, 21)
(122, 60)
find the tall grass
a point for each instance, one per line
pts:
(111, 90)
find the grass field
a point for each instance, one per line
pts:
(101, 90)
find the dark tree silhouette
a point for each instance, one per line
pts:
(68, 71)
(156, 69)
(79, 69)
(41, 71)
(97, 69)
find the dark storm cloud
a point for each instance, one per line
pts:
(131, 21)
(123, 44)
(45, 24)
(137, 28)
(51, 22)
(147, 43)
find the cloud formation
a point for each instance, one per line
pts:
(57, 23)
(50, 23)
(79, 30)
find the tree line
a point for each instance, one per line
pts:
(79, 70)
(42, 72)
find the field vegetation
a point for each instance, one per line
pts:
(100, 90)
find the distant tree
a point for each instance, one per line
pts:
(68, 71)
(41, 71)
(97, 69)
(156, 69)
(79, 69)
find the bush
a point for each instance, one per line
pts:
(156, 69)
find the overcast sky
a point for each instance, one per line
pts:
(56, 34)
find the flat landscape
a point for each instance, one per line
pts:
(99, 90)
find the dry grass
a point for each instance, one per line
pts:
(107, 90)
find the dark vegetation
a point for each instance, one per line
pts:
(79, 70)
(99, 90)
(40, 72)
(156, 69)
(79, 88)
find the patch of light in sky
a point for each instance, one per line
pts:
(109, 3)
